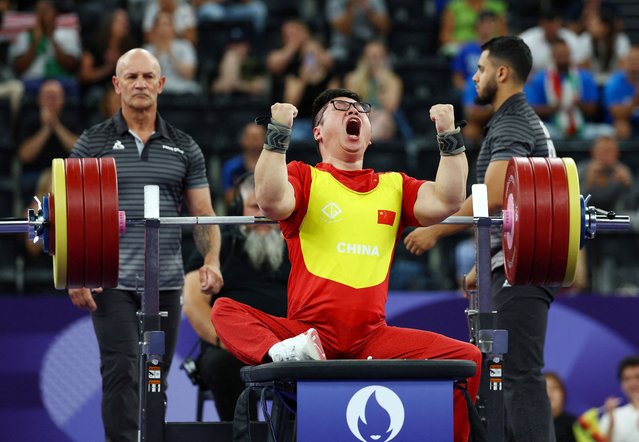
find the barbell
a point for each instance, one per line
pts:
(544, 222)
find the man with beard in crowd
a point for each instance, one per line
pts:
(255, 268)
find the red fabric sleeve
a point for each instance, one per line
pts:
(411, 187)
(299, 175)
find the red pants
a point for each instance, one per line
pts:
(249, 333)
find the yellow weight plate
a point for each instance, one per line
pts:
(59, 195)
(574, 230)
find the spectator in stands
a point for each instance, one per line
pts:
(253, 11)
(609, 182)
(621, 97)
(604, 176)
(10, 87)
(112, 39)
(557, 395)
(47, 51)
(183, 18)
(578, 13)
(107, 107)
(240, 71)
(176, 55)
(464, 64)
(287, 59)
(566, 97)
(354, 23)
(376, 83)
(540, 38)
(621, 423)
(313, 76)
(459, 22)
(604, 45)
(50, 133)
(251, 143)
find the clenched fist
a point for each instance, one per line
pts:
(284, 113)
(443, 115)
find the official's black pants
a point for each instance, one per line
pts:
(117, 329)
(523, 311)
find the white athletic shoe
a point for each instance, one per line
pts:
(303, 347)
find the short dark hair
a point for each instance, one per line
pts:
(560, 41)
(551, 13)
(325, 97)
(486, 14)
(628, 361)
(512, 51)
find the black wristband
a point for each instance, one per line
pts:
(451, 142)
(278, 137)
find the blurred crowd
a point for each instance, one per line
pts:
(616, 420)
(227, 61)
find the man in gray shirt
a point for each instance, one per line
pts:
(514, 130)
(147, 150)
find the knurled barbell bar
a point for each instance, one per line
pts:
(544, 222)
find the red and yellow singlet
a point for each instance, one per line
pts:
(341, 238)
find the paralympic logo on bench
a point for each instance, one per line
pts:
(375, 413)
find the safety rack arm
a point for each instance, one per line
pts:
(152, 405)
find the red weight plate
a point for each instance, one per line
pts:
(92, 223)
(560, 222)
(519, 196)
(110, 222)
(543, 222)
(75, 223)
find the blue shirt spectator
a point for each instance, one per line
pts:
(566, 97)
(251, 142)
(537, 88)
(232, 169)
(621, 98)
(464, 63)
(619, 90)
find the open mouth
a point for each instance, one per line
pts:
(353, 126)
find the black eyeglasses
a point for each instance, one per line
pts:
(342, 105)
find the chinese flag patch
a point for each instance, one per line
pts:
(385, 217)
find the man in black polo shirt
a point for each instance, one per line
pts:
(147, 150)
(514, 130)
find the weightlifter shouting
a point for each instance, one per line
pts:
(341, 223)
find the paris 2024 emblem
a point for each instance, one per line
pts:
(375, 414)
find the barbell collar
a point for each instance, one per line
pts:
(618, 223)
